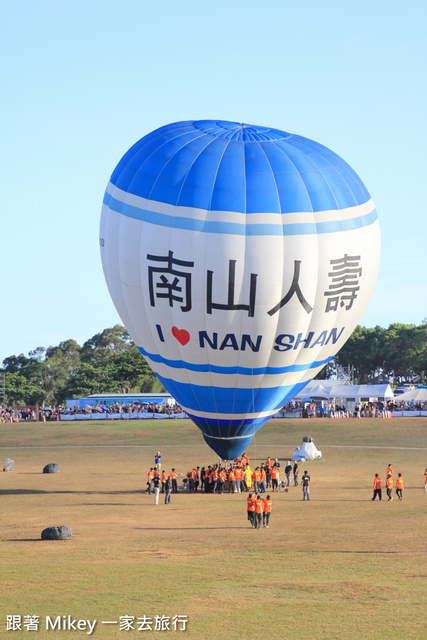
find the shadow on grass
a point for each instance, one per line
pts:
(23, 492)
(29, 540)
(362, 552)
(191, 529)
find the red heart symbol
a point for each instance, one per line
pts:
(181, 335)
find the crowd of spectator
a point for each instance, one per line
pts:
(123, 408)
(302, 409)
(17, 414)
(366, 409)
(395, 405)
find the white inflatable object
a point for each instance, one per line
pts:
(308, 451)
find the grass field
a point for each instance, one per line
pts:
(339, 567)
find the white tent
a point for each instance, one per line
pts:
(419, 395)
(330, 389)
(375, 391)
(314, 389)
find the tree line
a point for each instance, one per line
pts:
(107, 363)
(395, 355)
(110, 363)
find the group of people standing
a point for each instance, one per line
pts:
(159, 481)
(231, 477)
(259, 511)
(238, 477)
(389, 485)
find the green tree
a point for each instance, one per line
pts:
(99, 349)
(21, 390)
(87, 380)
(359, 351)
(131, 372)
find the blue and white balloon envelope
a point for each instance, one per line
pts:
(240, 259)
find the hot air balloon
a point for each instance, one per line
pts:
(240, 258)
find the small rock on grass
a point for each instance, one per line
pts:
(57, 533)
(9, 464)
(51, 468)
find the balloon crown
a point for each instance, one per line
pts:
(240, 131)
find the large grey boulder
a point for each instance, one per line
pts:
(9, 464)
(51, 468)
(57, 533)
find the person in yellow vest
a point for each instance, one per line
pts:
(389, 487)
(399, 486)
(267, 510)
(248, 477)
(377, 487)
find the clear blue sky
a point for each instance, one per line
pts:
(83, 80)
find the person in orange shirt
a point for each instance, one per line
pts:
(164, 478)
(425, 482)
(256, 478)
(269, 462)
(232, 478)
(267, 510)
(261, 486)
(173, 476)
(251, 510)
(259, 508)
(377, 487)
(150, 477)
(238, 474)
(215, 479)
(389, 486)
(275, 478)
(245, 459)
(389, 471)
(399, 486)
